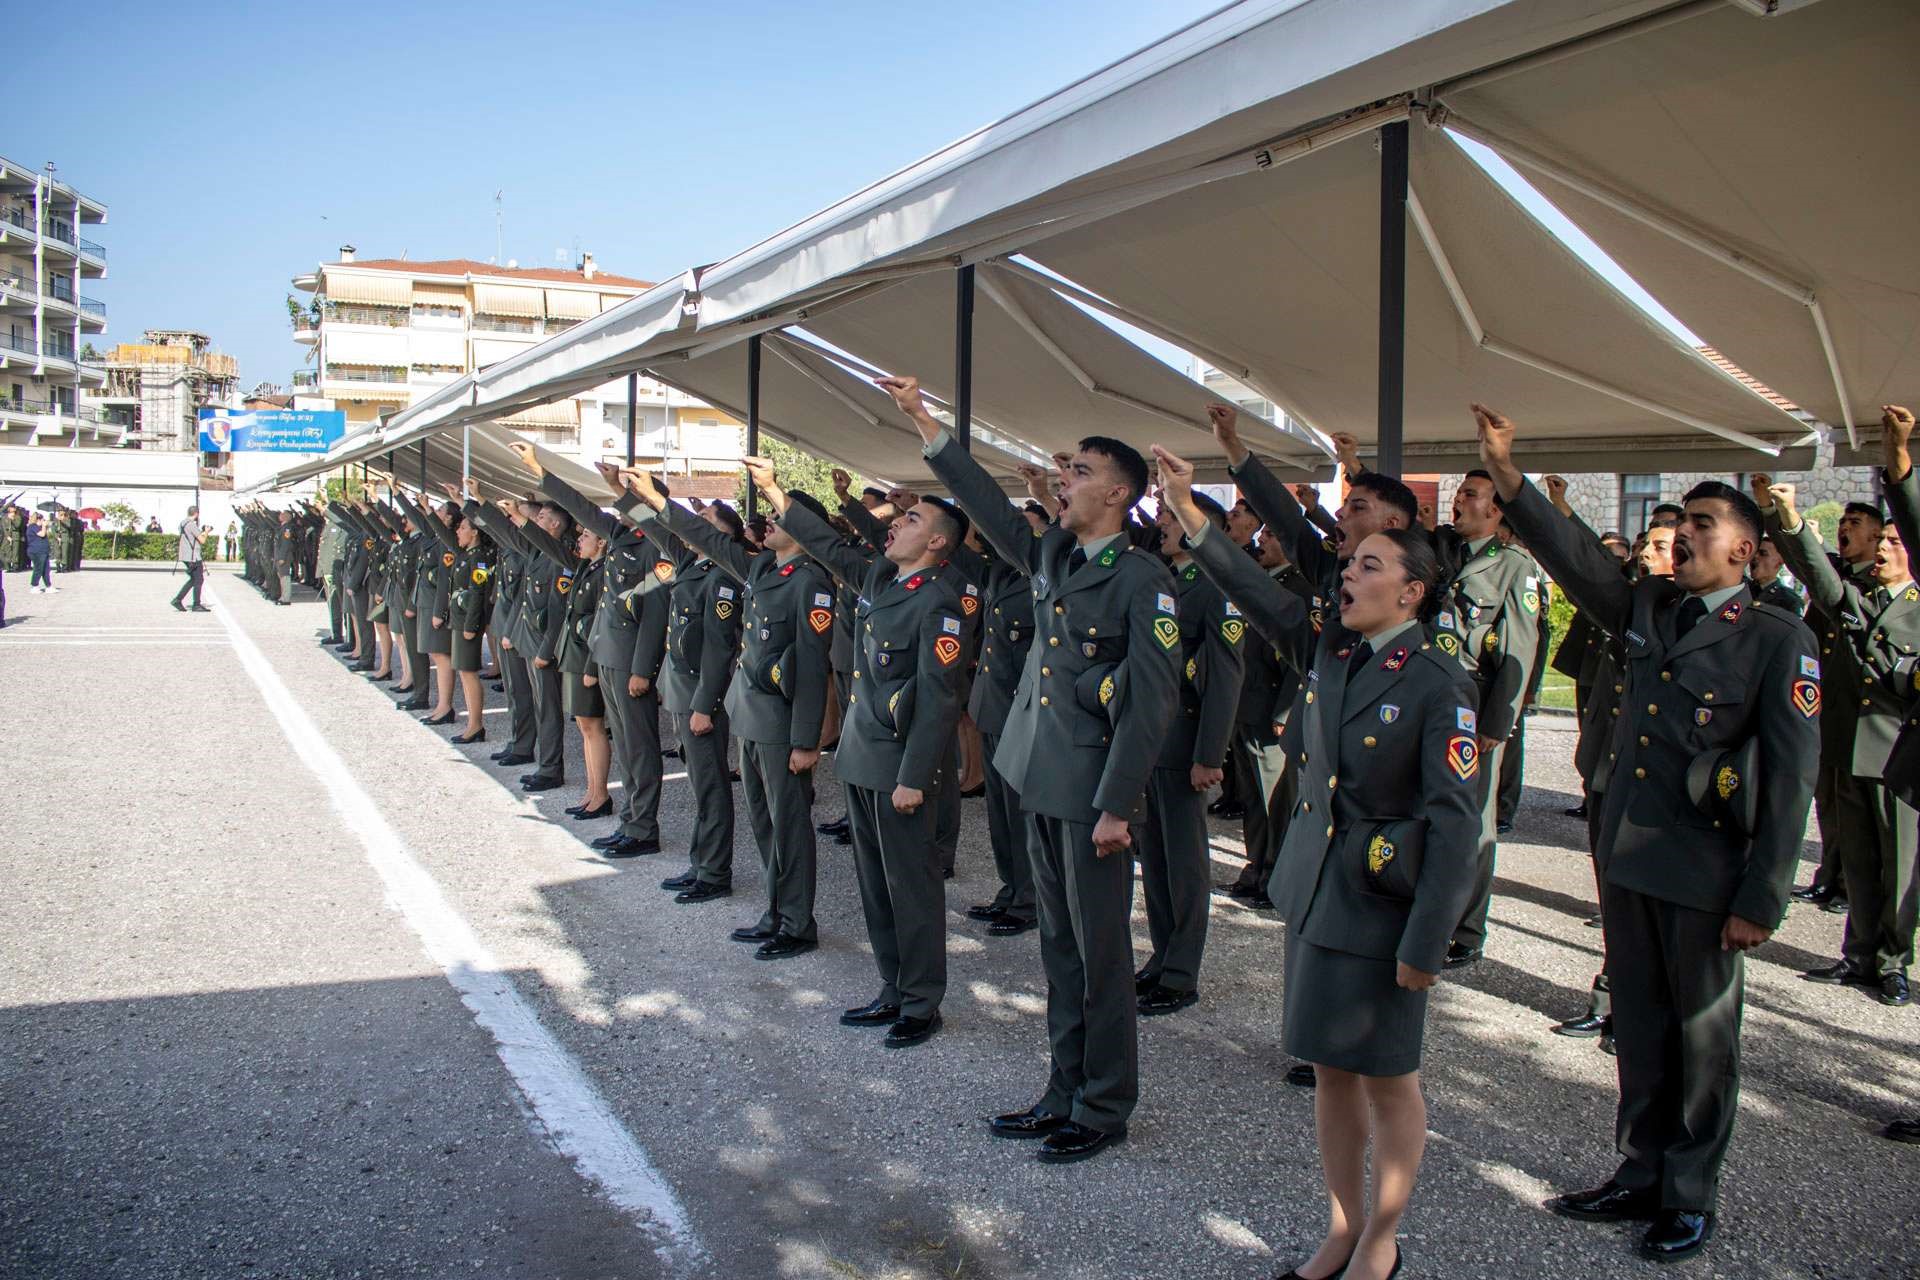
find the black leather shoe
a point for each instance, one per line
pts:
(985, 911)
(1300, 1075)
(1459, 956)
(1010, 926)
(1905, 1129)
(1585, 1027)
(873, 1014)
(445, 719)
(1608, 1202)
(361, 666)
(910, 1031)
(1503, 828)
(681, 883)
(1213, 810)
(1234, 889)
(1031, 1123)
(752, 933)
(1814, 893)
(401, 688)
(628, 847)
(1578, 811)
(466, 740)
(783, 945)
(608, 840)
(1071, 1142)
(1163, 1000)
(846, 837)
(199, 608)
(1676, 1234)
(838, 827)
(1606, 1044)
(538, 782)
(1261, 902)
(1834, 906)
(1893, 989)
(1144, 981)
(1596, 921)
(499, 686)
(703, 893)
(512, 758)
(1842, 974)
(581, 813)
(411, 704)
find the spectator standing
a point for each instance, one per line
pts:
(153, 525)
(39, 548)
(193, 540)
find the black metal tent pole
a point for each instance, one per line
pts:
(633, 413)
(963, 357)
(753, 416)
(423, 466)
(1393, 297)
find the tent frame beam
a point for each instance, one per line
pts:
(1390, 426)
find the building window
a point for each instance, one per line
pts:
(365, 373)
(503, 324)
(1639, 495)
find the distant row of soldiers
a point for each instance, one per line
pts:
(66, 536)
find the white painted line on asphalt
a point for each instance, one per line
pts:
(131, 640)
(577, 1119)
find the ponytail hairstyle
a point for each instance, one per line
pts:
(1421, 564)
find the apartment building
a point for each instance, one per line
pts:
(155, 388)
(46, 316)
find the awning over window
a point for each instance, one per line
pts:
(506, 300)
(364, 288)
(439, 295)
(571, 304)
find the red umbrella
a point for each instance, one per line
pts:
(92, 513)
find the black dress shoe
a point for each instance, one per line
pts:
(985, 912)
(1459, 955)
(752, 933)
(1905, 1129)
(910, 1031)
(681, 883)
(1213, 810)
(1893, 989)
(199, 608)
(1608, 1202)
(1578, 811)
(466, 739)
(673, 753)
(1010, 926)
(1071, 1142)
(411, 704)
(1834, 906)
(1676, 1234)
(703, 893)
(361, 666)
(946, 873)
(783, 945)
(580, 813)
(974, 793)
(541, 782)
(1596, 921)
(379, 677)
(1031, 1123)
(1234, 889)
(499, 686)
(628, 847)
(1606, 1044)
(508, 759)
(1300, 1075)
(1841, 973)
(1163, 1000)
(1585, 1027)
(1815, 893)
(401, 688)
(876, 1013)
(1503, 828)
(1261, 902)
(445, 719)
(838, 827)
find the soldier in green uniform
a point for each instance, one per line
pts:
(469, 602)
(1079, 746)
(1880, 625)
(1767, 587)
(543, 600)
(704, 615)
(908, 690)
(777, 702)
(333, 558)
(1706, 671)
(509, 582)
(1171, 843)
(629, 646)
(433, 585)
(1378, 864)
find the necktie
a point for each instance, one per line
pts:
(1881, 598)
(1078, 558)
(1692, 609)
(1361, 657)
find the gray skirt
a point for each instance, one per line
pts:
(1347, 1012)
(433, 639)
(466, 653)
(581, 698)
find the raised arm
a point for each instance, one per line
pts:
(1901, 486)
(998, 520)
(871, 528)
(496, 525)
(1574, 560)
(549, 546)
(847, 564)
(1799, 545)
(607, 527)
(1269, 499)
(733, 559)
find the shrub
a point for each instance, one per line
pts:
(138, 546)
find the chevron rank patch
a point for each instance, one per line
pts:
(480, 575)
(969, 605)
(1531, 599)
(1806, 698)
(1232, 629)
(1167, 632)
(1449, 643)
(947, 649)
(1463, 757)
(446, 560)
(564, 583)
(820, 620)
(663, 569)
(723, 609)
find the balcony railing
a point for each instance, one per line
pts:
(19, 285)
(306, 378)
(305, 323)
(19, 218)
(390, 317)
(42, 408)
(58, 288)
(59, 229)
(23, 345)
(93, 307)
(58, 350)
(91, 249)
(337, 374)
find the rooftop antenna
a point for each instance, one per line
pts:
(499, 228)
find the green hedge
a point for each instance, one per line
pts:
(138, 546)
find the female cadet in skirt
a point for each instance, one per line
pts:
(1378, 863)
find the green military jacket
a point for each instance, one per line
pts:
(1490, 621)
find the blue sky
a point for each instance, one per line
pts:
(237, 145)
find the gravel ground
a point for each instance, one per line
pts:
(226, 1055)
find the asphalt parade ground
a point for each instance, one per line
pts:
(290, 986)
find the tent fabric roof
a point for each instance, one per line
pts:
(1282, 266)
(1781, 141)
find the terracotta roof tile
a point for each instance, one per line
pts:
(458, 267)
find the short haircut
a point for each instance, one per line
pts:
(811, 503)
(1670, 509)
(1478, 474)
(1127, 459)
(558, 510)
(1393, 492)
(1211, 509)
(953, 518)
(1870, 510)
(1038, 510)
(873, 492)
(1744, 509)
(728, 517)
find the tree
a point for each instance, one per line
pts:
(121, 517)
(798, 470)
